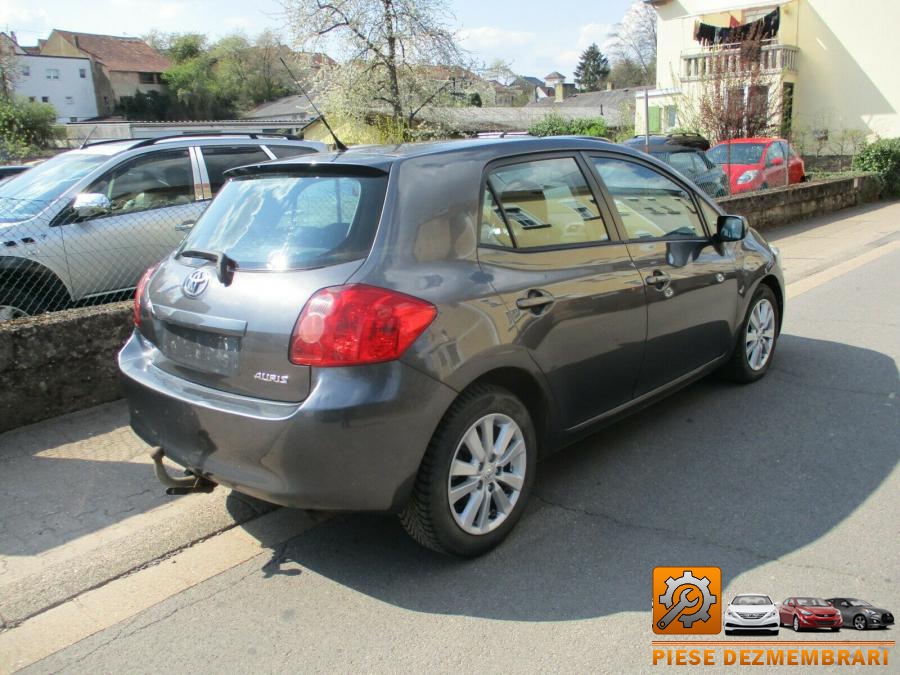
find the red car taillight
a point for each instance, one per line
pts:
(139, 293)
(357, 324)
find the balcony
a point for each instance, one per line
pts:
(774, 59)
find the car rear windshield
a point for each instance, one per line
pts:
(741, 153)
(751, 600)
(286, 222)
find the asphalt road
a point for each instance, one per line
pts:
(790, 485)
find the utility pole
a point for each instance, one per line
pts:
(647, 121)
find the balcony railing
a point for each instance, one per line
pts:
(773, 58)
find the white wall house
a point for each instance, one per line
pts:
(64, 82)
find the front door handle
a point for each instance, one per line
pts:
(658, 279)
(536, 301)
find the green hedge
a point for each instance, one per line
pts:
(557, 125)
(882, 158)
(25, 127)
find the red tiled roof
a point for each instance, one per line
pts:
(129, 54)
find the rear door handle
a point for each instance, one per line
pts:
(535, 301)
(658, 279)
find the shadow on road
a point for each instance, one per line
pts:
(704, 477)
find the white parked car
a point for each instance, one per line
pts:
(751, 611)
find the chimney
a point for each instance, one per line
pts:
(609, 85)
(560, 91)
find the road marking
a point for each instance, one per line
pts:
(123, 598)
(815, 280)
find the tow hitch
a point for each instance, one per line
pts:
(179, 486)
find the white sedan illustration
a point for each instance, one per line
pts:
(751, 611)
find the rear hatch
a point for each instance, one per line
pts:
(222, 308)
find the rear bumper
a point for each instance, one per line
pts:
(355, 443)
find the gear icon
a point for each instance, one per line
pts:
(688, 579)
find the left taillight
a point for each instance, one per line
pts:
(139, 293)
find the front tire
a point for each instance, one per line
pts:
(796, 625)
(476, 476)
(859, 622)
(16, 303)
(754, 348)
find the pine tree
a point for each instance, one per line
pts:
(592, 69)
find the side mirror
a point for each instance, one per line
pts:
(731, 228)
(90, 204)
(186, 226)
(776, 161)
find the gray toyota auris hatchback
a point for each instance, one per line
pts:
(410, 328)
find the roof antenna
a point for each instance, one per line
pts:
(87, 138)
(337, 141)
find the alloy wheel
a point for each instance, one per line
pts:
(796, 624)
(859, 623)
(8, 312)
(487, 473)
(760, 335)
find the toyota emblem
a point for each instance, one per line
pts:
(194, 285)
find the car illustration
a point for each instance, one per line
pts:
(805, 612)
(408, 328)
(758, 163)
(860, 614)
(86, 223)
(751, 611)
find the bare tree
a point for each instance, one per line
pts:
(387, 45)
(634, 40)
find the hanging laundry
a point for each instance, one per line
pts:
(761, 29)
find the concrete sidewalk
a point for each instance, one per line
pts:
(81, 506)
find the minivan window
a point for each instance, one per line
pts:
(282, 151)
(548, 203)
(650, 204)
(281, 222)
(151, 181)
(219, 159)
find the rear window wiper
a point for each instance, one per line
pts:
(225, 266)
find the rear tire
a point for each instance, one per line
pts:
(489, 504)
(741, 366)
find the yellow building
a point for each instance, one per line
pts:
(832, 63)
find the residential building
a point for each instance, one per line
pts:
(65, 82)
(122, 66)
(829, 62)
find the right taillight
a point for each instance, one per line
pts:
(357, 324)
(139, 293)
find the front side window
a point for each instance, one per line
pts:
(774, 152)
(544, 203)
(650, 205)
(152, 181)
(282, 222)
(221, 158)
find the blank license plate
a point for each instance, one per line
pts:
(205, 351)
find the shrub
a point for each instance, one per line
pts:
(557, 125)
(882, 158)
(25, 127)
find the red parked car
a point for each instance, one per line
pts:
(803, 613)
(758, 163)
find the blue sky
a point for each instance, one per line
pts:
(537, 37)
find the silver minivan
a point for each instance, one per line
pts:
(85, 224)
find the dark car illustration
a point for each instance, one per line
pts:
(860, 614)
(806, 612)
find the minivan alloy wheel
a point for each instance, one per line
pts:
(9, 312)
(760, 334)
(487, 474)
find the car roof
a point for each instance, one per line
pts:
(381, 157)
(114, 146)
(755, 139)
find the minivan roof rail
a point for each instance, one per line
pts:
(143, 142)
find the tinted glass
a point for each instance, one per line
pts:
(282, 151)
(152, 181)
(29, 193)
(493, 228)
(291, 222)
(548, 203)
(710, 215)
(220, 159)
(649, 204)
(741, 153)
(682, 161)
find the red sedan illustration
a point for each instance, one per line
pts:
(802, 613)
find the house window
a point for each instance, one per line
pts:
(52, 73)
(147, 78)
(45, 99)
(82, 73)
(70, 100)
(31, 98)
(26, 70)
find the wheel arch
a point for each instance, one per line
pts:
(772, 282)
(22, 274)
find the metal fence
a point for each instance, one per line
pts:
(58, 255)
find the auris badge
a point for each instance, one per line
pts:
(194, 285)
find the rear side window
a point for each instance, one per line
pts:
(286, 222)
(543, 203)
(221, 158)
(683, 162)
(282, 151)
(650, 204)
